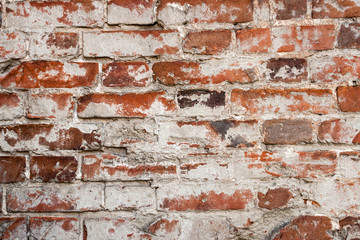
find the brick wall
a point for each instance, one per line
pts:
(174, 119)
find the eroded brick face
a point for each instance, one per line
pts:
(179, 119)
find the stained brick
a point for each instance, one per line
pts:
(55, 198)
(61, 228)
(335, 9)
(349, 35)
(12, 169)
(11, 106)
(262, 101)
(254, 40)
(192, 73)
(53, 168)
(54, 45)
(46, 74)
(13, 228)
(290, 9)
(131, 43)
(131, 12)
(127, 105)
(12, 44)
(344, 131)
(281, 131)
(55, 14)
(274, 198)
(207, 42)
(285, 70)
(209, 11)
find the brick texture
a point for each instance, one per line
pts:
(180, 119)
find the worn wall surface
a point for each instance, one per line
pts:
(180, 119)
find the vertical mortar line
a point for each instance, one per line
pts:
(309, 9)
(3, 209)
(3, 14)
(81, 222)
(79, 168)
(27, 166)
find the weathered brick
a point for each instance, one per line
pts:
(290, 9)
(254, 40)
(12, 169)
(349, 164)
(292, 164)
(12, 44)
(131, 43)
(114, 228)
(31, 14)
(54, 45)
(306, 227)
(303, 38)
(13, 228)
(349, 35)
(274, 198)
(335, 9)
(127, 105)
(206, 168)
(285, 70)
(11, 106)
(165, 228)
(281, 131)
(185, 197)
(348, 99)
(60, 228)
(214, 71)
(28, 137)
(110, 167)
(131, 12)
(351, 227)
(129, 197)
(50, 105)
(209, 11)
(262, 101)
(126, 133)
(226, 133)
(37, 74)
(53, 168)
(338, 69)
(346, 131)
(59, 198)
(207, 42)
(126, 74)
(201, 102)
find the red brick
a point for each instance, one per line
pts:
(349, 35)
(224, 133)
(12, 44)
(55, 13)
(54, 45)
(109, 167)
(28, 137)
(207, 42)
(214, 72)
(351, 227)
(54, 228)
(335, 69)
(290, 9)
(11, 106)
(285, 70)
(209, 11)
(274, 198)
(13, 228)
(127, 105)
(260, 101)
(53, 168)
(114, 228)
(303, 38)
(131, 12)
(335, 9)
(131, 43)
(165, 228)
(254, 40)
(187, 197)
(44, 74)
(281, 131)
(51, 105)
(306, 227)
(126, 74)
(12, 169)
(348, 99)
(345, 131)
(55, 198)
